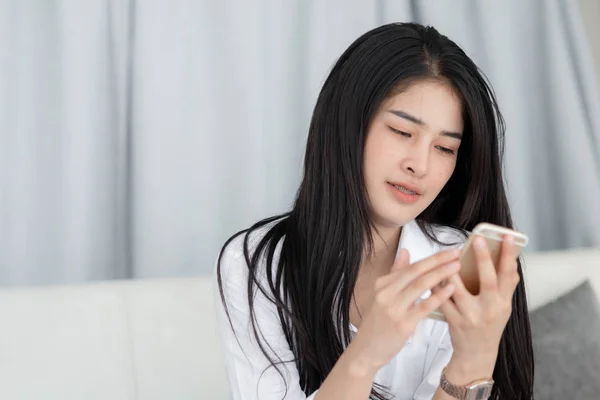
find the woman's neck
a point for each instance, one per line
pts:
(385, 247)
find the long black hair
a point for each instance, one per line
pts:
(323, 237)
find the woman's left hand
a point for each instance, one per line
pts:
(476, 322)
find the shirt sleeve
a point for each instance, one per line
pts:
(438, 356)
(249, 372)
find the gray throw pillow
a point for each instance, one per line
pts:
(566, 343)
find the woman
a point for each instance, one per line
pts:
(403, 159)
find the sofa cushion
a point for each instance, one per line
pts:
(175, 342)
(549, 275)
(68, 342)
(566, 341)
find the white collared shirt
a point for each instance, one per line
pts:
(414, 373)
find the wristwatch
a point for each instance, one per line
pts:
(477, 390)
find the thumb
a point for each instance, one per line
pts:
(402, 261)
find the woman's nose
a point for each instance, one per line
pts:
(416, 162)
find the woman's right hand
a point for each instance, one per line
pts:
(393, 315)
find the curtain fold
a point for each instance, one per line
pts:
(61, 139)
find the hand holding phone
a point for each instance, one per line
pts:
(494, 236)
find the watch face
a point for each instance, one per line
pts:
(481, 391)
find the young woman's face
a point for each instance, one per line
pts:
(410, 151)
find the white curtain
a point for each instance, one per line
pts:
(63, 152)
(136, 136)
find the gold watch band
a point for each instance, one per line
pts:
(453, 390)
(476, 390)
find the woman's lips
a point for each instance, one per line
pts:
(402, 195)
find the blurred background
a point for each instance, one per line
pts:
(136, 136)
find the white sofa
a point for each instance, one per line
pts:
(157, 339)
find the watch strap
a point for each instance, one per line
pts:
(458, 392)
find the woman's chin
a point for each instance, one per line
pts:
(393, 215)
(394, 221)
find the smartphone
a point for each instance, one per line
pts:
(493, 235)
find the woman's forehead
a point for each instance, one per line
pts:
(433, 104)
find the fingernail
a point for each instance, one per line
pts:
(510, 239)
(449, 287)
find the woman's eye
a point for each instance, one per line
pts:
(445, 150)
(400, 132)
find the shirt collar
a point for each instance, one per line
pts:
(413, 239)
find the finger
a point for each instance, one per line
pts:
(508, 274)
(421, 310)
(461, 297)
(422, 267)
(400, 277)
(450, 310)
(416, 288)
(488, 281)
(402, 261)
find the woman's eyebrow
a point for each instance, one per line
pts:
(420, 122)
